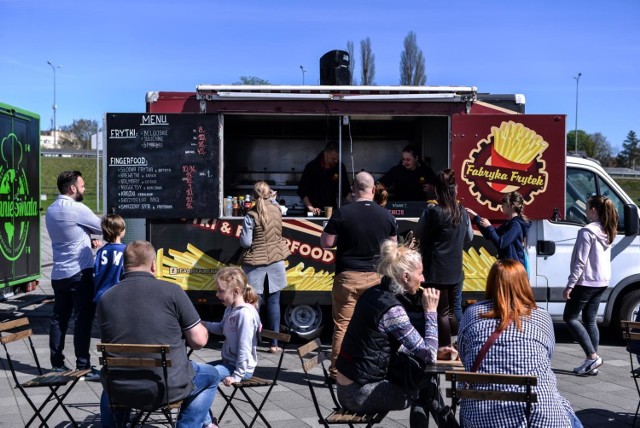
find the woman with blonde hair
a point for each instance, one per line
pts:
(379, 329)
(266, 251)
(240, 326)
(524, 346)
(589, 278)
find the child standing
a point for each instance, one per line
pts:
(509, 237)
(109, 261)
(240, 325)
(589, 278)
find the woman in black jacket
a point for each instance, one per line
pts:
(443, 229)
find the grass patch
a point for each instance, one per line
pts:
(631, 187)
(52, 167)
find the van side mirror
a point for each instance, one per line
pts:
(545, 248)
(631, 224)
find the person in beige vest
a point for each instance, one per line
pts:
(266, 251)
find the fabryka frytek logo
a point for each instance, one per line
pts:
(509, 159)
(17, 205)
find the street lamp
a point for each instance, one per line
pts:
(576, 128)
(55, 107)
(304, 70)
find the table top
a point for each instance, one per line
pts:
(442, 366)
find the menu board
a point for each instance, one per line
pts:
(162, 165)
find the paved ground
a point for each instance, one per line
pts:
(606, 400)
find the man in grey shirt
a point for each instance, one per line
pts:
(70, 224)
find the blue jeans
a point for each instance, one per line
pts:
(194, 412)
(575, 422)
(72, 294)
(586, 300)
(272, 301)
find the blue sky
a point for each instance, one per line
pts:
(112, 52)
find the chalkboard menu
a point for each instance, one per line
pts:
(162, 165)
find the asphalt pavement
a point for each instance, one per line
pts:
(606, 400)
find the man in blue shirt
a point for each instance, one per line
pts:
(70, 224)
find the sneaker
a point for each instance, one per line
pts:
(62, 368)
(92, 376)
(587, 366)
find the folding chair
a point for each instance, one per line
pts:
(631, 333)
(311, 356)
(256, 382)
(138, 362)
(19, 330)
(473, 380)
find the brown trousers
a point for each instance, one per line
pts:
(347, 289)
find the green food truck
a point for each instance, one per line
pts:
(19, 200)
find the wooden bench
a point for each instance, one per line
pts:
(473, 380)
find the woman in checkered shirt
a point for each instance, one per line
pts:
(524, 347)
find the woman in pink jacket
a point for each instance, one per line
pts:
(589, 278)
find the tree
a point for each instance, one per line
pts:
(78, 134)
(368, 62)
(352, 61)
(585, 144)
(630, 150)
(602, 150)
(251, 80)
(412, 70)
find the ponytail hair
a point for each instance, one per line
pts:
(261, 194)
(447, 194)
(234, 277)
(515, 201)
(395, 260)
(381, 196)
(607, 214)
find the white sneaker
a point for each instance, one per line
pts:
(588, 366)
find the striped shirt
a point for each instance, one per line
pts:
(526, 352)
(395, 322)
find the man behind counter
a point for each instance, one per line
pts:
(318, 187)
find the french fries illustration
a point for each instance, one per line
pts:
(194, 270)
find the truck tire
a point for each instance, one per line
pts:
(304, 320)
(629, 308)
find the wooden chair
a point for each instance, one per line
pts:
(312, 357)
(473, 380)
(20, 330)
(147, 359)
(256, 382)
(631, 333)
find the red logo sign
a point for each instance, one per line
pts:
(509, 159)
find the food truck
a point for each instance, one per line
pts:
(173, 167)
(19, 200)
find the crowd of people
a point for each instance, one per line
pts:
(389, 301)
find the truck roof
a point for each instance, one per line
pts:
(345, 93)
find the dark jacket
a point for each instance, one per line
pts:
(442, 244)
(508, 238)
(365, 353)
(320, 185)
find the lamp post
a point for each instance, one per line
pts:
(304, 70)
(55, 107)
(576, 128)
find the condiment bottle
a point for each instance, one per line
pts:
(235, 209)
